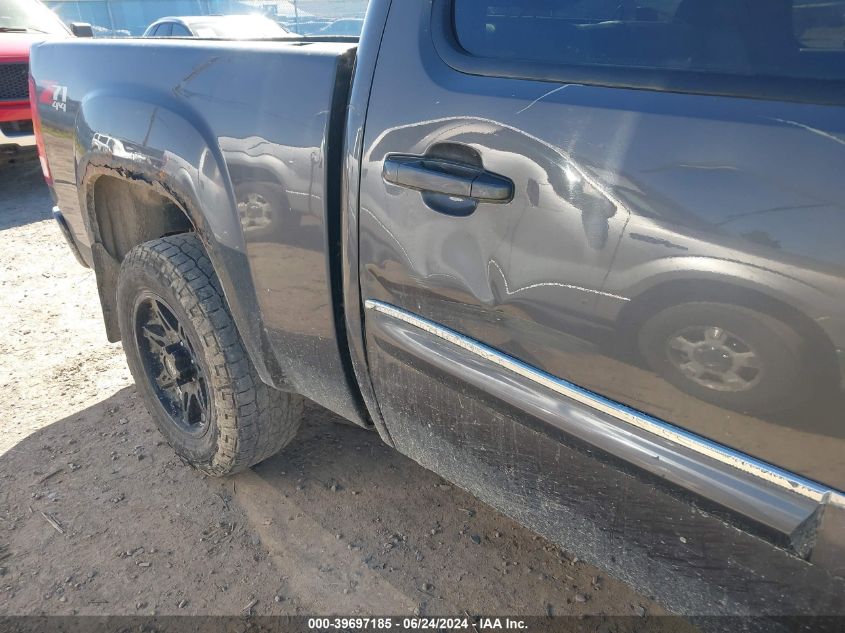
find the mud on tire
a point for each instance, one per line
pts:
(189, 362)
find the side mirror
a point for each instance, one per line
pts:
(81, 29)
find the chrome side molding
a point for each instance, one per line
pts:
(759, 469)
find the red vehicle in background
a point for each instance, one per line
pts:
(22, 23)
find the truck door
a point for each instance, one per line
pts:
(633, 203)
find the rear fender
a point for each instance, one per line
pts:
(179, 158)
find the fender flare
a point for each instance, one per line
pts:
(180, 160)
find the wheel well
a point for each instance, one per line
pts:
(129, 213)
(126, 214)
(819, 346)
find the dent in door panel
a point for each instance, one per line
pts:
(503, 258)
(686, 200)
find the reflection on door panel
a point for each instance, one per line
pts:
(679, 254)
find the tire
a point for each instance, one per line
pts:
(764, 354)
(189, 362)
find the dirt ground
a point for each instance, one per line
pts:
(98, 516)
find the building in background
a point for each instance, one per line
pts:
(124, 18)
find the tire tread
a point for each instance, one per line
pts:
(253, 420)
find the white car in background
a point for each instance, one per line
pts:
(223, 27)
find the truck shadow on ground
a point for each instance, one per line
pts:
(99, 516)
(24, 197)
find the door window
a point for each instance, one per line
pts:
(163, 30)
(180, 31)
(774, 38)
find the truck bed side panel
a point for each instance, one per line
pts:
(236, 135)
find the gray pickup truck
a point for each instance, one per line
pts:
(582, 258)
